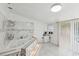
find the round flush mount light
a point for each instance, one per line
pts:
(56, 7)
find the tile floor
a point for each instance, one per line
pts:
(48, 50)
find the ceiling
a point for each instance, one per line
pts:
(41, 11)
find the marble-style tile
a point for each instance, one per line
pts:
(49, 50)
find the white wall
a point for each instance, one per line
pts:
(3, 13)
(39, 27)
(54, 28)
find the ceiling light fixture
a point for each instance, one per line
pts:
(56, 7)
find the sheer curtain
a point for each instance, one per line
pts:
(65, 38)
